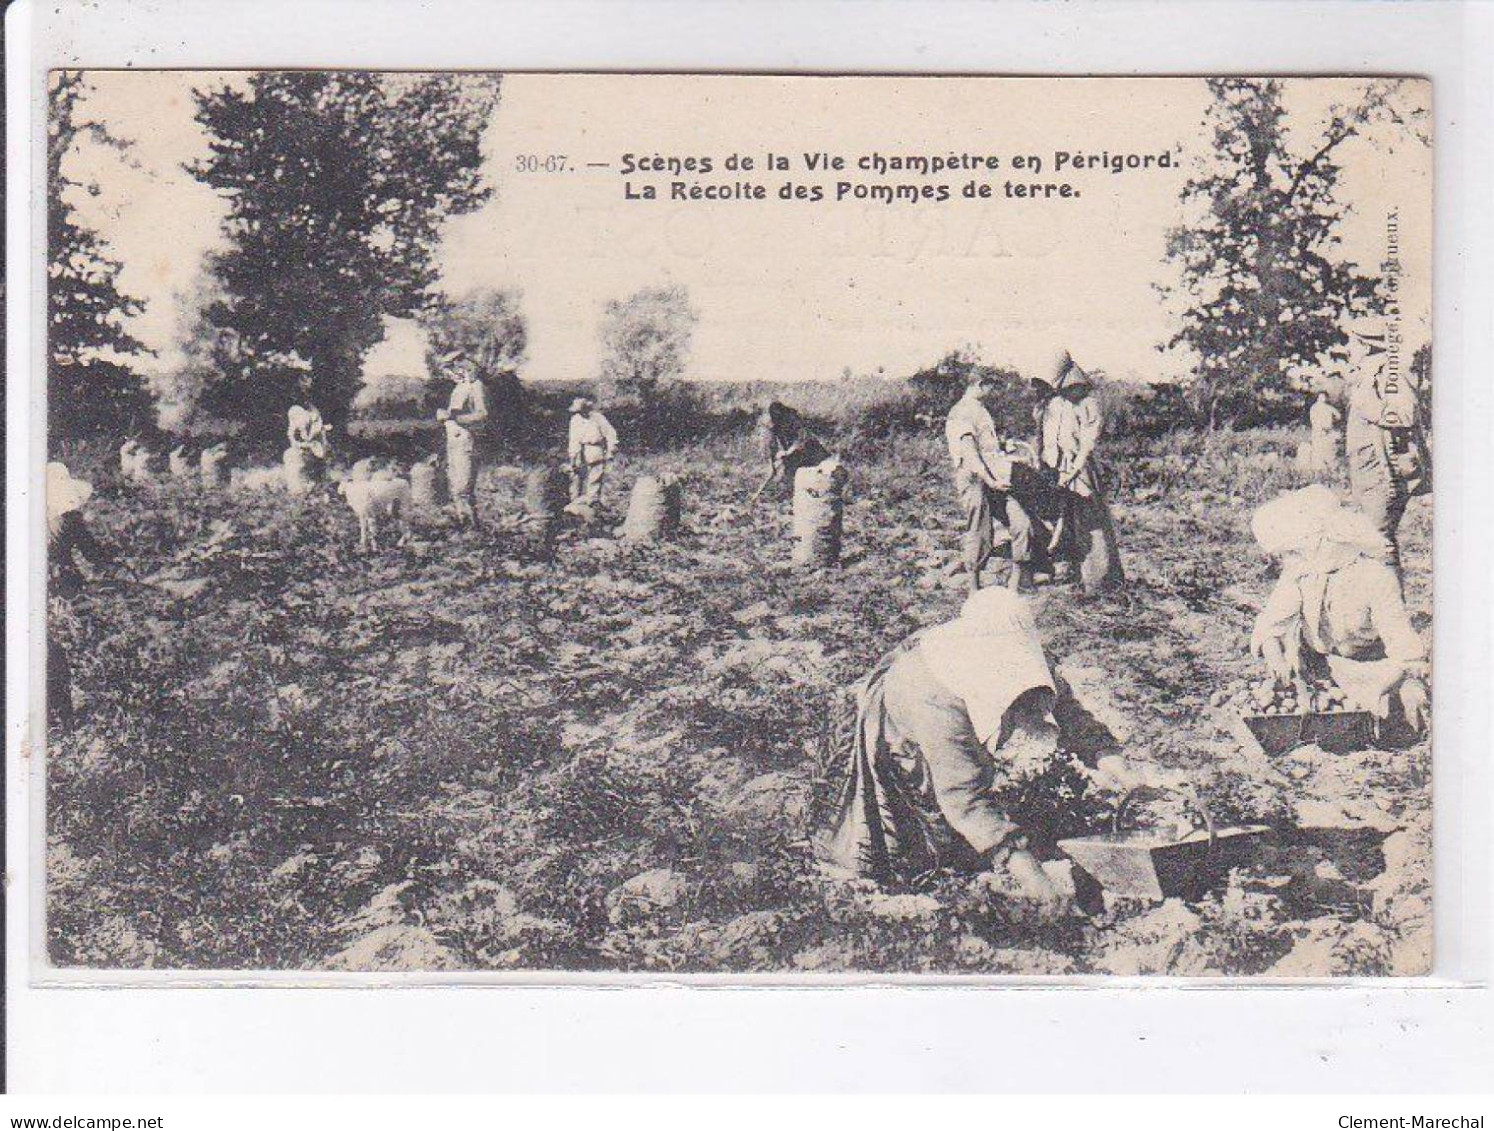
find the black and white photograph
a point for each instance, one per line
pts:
(799, 527)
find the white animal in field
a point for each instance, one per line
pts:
(179, 464)
(379, 499)
(134, 461)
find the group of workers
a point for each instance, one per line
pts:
(940, 715)
(591, 446)
(1049, 494)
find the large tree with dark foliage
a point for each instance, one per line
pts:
(337, 185)
(1265, 290)
(92, 389)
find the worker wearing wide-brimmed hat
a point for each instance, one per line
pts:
(464, 416)
(1069, 424)
(1383, 437)
(590, 447)
(68, 538)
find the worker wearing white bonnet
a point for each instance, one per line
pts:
(936, 721)
(1337, 608)
(305, 456)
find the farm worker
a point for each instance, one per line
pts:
(305, 429)
(1337, 605)
(1386, 447)
(1069, 423)
(464, 417)
(591, 446)
(306, 446)
(983, 469)
(68, 538)
(1322, 420)
(935, 721)
(789, 445)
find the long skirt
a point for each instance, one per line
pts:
(916, 793)
(1322, 452)
(461, 466)
(1088, 541)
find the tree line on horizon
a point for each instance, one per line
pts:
(337, 184)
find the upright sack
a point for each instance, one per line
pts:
(819, 514)
(653, 510)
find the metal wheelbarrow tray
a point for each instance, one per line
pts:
(1149, 865)
(1338, 732)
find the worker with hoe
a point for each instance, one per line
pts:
(939, 721)
(465, 417)
(591, 447)
(788, 445)
(991, 480)
(1387, 452)
(1336, 612)
(1069, 422)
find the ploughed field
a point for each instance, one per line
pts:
(454, 755)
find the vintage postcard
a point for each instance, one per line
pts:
(793, 526)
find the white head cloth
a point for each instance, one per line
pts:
(1312, 523)
(988, 656)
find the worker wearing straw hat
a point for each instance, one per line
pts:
(590, 447)
(464, 417)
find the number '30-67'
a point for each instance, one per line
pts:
(534, 163)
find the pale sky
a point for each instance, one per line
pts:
(791, 290)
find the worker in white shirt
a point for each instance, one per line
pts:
(591, 447)
(983, 464)
(464, 416)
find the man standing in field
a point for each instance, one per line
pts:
(1386, 449)
(983, 484)
(591, 447)
(464, 417)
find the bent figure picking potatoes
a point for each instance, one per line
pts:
(1337, 608)
(933, 720)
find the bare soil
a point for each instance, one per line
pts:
(456, 754)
